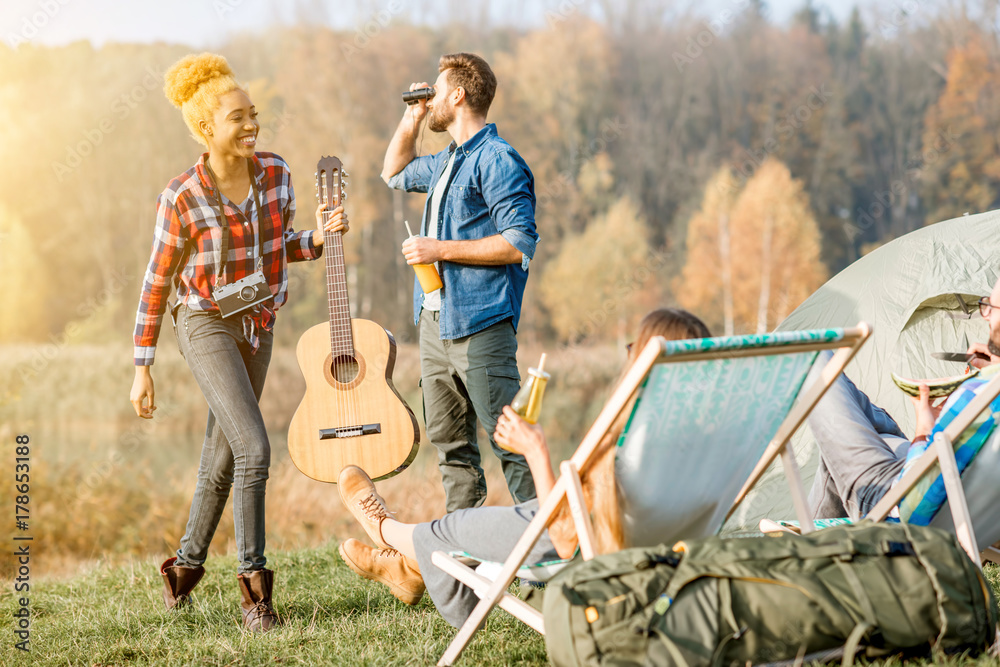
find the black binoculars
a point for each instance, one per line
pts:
(414, 96)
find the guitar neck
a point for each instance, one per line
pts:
(341, 334)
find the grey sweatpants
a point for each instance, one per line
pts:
(485, 533)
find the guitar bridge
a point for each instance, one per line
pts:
(349, 431)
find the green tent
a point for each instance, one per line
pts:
(919, 292)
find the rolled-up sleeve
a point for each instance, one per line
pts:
(299, 246)
(169, 239)
(416, 176)
(509, 190)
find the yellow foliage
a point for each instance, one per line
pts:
(702, 284)
(774, 250)
(598, 274)
(960, 161)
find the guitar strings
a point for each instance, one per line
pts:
(343, 365)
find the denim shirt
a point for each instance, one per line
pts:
(491, 191)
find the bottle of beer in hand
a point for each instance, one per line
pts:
(528, 401)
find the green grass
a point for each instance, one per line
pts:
(330, 616)
(115, 616)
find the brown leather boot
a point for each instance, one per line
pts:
(178, 582)
(386, 566)
(255, 587)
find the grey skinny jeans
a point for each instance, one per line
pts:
(236, 452)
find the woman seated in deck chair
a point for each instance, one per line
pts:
(402, 560)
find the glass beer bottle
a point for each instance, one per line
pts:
(528, 401)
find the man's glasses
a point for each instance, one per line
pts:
(985, 306)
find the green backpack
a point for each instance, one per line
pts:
(869, 588)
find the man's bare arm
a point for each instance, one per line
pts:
(402, 148)
(490, 251)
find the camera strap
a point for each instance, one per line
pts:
(224, 220)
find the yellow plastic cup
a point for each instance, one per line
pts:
(428, 277)
(427, 274)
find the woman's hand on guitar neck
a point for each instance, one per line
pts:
(337, 222)
(141, 395)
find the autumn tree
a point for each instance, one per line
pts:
(775, 249)
(705, 284)
(961, 167)
(599, 275)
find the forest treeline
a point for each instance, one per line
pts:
(722, 162)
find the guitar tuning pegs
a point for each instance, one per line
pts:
(346, 175)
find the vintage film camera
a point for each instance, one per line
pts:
(244, 293)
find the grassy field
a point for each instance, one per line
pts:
(115, 616)
(107, 486)
(109, 497)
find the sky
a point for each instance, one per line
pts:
(207, 23)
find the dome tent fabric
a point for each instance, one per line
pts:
(919, 293)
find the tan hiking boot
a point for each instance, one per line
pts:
(178, 582)
(360, 497)
(387, 566)
(255, 590)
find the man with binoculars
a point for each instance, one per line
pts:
(479, 229)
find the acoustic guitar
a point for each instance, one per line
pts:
(351, 413)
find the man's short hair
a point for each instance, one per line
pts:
(473, 74)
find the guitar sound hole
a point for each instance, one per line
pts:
(344, 369)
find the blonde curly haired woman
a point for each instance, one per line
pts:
(226, 219)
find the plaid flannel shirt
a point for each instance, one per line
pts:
(187, 240)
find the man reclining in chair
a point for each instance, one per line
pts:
(863, 450)
(403, 560)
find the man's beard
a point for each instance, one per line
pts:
(440, 118)
(992, 346)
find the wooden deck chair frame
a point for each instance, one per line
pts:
(942, 452)
(568, 486)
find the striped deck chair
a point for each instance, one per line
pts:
(932, 473)
(708, 418)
